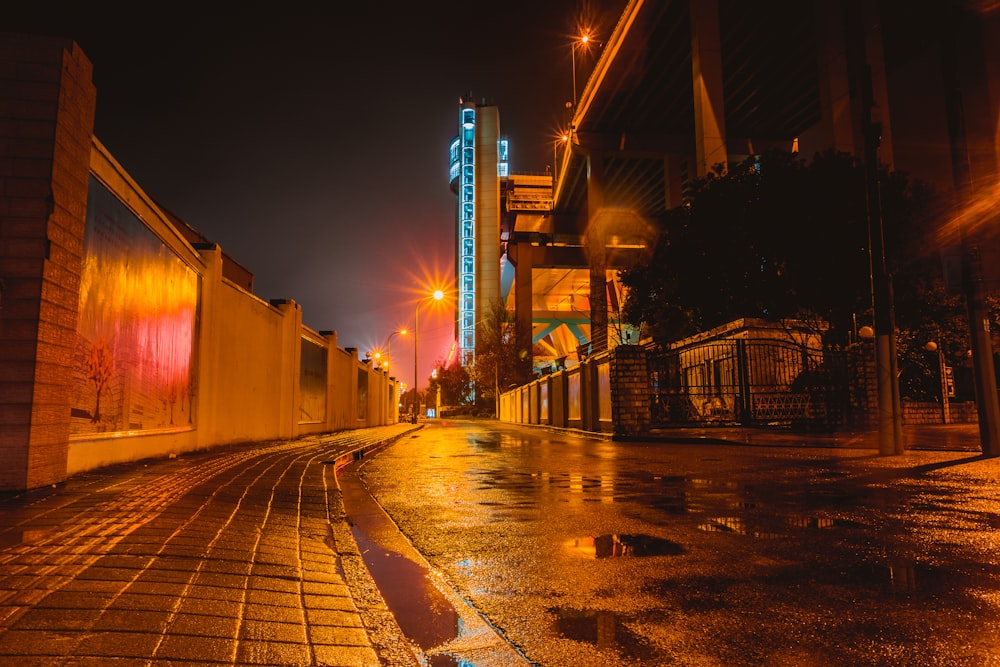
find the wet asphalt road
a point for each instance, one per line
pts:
(590, 552)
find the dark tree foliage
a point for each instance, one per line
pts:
(774, 238)
(777, 237)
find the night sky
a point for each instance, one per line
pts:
(310, 139)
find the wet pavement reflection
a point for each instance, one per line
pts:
(428, 612)
(422, 612)
(591, 552)
(619, 546)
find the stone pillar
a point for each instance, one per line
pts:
(630, 391)
(47, 102)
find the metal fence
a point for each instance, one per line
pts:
(748, 382)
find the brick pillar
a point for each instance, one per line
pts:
(47, 102)
(630, 390)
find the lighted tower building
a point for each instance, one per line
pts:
(479, 162)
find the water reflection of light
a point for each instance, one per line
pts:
(620, 546)
(607, 489)
(903, 577)
(806, 521)
(739, 526)
(735, 526)
(582, 546)
(604, 630)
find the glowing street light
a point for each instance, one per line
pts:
(437, 296)
(580, 41)
(388, 344)
(562, 139)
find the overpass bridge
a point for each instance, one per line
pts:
(683, 89)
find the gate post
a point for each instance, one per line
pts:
(630, 391)
(743, 411)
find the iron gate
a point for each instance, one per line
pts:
(748, 382)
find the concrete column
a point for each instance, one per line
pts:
(706, 72)
(487, 210)
(290, 358)
(837, 121)
(210, 377)
(875, 53)
(596, 254)
(673, 182)
(522, 256)
(45, 147)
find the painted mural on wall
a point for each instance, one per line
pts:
(312, 383)
(134, 357)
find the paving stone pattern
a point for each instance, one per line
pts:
(224, 557)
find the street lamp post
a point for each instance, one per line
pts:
(582, 40)
(388, 345)
(437, 296)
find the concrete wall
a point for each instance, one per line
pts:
(605, 393)
(248, 382)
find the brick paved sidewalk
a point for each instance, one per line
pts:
(231, 557)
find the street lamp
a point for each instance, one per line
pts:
(437, 296)
(582, 40)
(388, 345)
(562, 139)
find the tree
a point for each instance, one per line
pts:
(778, 238)
(100, 366)
(773, 238)
(454, 383)
(503, 355)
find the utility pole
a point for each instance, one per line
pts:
(890, 420)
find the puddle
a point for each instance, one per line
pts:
(427, 610)
(737, 525)
(620, 546)
(603, 629)
(422, 612)
(904, 579)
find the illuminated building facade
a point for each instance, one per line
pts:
(479, 162)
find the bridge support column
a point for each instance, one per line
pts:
(596, 254)
(522, 256)
(706, 72)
